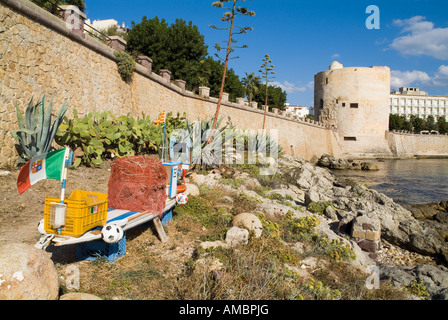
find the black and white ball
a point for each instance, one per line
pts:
(41, 227)
(112, 233)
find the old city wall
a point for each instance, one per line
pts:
(39, 55)
(404, 145)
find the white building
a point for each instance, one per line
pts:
(410, 101)
(299, 111)
(102, 25)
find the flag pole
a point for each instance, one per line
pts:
(163, 141)
(64, 172)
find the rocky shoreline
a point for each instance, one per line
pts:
(406, 249)
(374, 237)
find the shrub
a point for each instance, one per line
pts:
(126, 65)
(99, 136)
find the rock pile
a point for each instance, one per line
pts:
(331, 162)
(365, 216)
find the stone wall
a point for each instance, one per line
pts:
(39, 55)
(405, 145)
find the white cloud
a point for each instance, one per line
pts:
(420, 78)
(440, 79)
(336, 56)
(421, 38)
(289, 87)
(401, 79)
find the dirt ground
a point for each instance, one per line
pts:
(20, 214)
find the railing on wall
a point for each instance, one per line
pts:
(95, 33)
(54, 8)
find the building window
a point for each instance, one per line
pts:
(354, 105)
(326, 81)
(343, 104)
(349, 138)
(321, 105)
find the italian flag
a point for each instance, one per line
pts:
(45, 166)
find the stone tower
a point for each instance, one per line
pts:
(355, 102)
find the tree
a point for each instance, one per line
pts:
(267, 71)
(276, 96)
(187, 48)
(442, 125)
(229, 16)
(178, 47)
(418, 123)
(79, 3)
(251, 82)
(210, 76)
(431, 123)
(397, 122)
(150, 37)
(52, 5)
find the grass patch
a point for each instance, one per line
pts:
(319, 206)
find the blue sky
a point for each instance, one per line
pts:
(304, 37)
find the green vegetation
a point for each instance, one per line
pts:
(417, 124)
(52, 5)
(98, 136)
(36, 131)
(319, 206)
(126, 65)
(178, 47)
(418, 288)
(251, 82)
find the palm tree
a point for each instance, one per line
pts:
(251, 82)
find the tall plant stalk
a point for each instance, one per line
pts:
(267, 71)
(228, 16)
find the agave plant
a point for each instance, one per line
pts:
(36, 131)
(208, 152)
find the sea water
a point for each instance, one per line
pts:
(406, 181)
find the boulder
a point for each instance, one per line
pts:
(331, 213)
(138, 184)
(79, 296)
(312, 195)
(27, 273)
(250, 222)
(212, 244)
(434, 278)
(423, 211)
(236, 236)
(192, 190)
(367, 166)
(197, 178)
(325, 160)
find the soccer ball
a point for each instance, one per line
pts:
(112, 233)
(41, 227)
(181, 198)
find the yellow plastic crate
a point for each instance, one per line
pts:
(85, 210)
